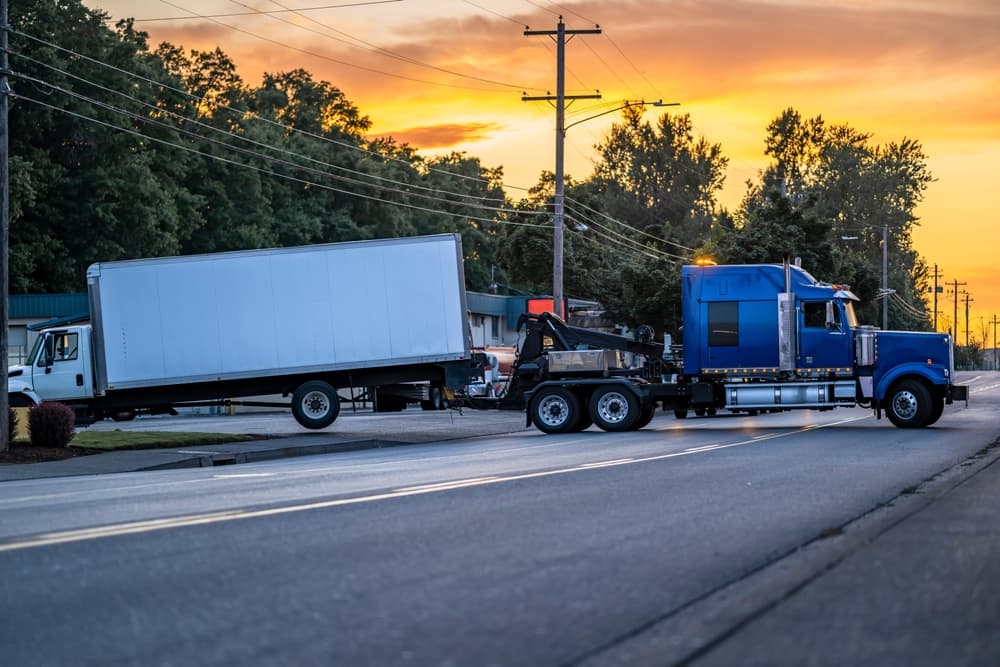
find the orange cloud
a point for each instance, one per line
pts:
(443, 136)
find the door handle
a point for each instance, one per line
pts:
(79, 379)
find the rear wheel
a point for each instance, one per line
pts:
(123, 415)
(680, 414)
(435, 400)
(645, 416)
(614, 408)
(555, 410)
(315, 404)
(583, 422)
(909, 404)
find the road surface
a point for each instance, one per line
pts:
(683, 543)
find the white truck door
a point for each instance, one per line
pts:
(61, 370)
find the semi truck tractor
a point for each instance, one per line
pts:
(300, 322)
(756, 338)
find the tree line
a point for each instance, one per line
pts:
(119, 150)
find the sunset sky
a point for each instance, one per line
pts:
(448, 75)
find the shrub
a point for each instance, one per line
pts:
(51, 424)
(11, 425)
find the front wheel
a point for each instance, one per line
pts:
(555, 410)
(908, 404)
(614, 408)
(936, 411)
(315, 404)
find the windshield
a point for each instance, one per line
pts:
(34, 349)
(849, 316)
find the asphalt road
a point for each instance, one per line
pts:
(680, 543)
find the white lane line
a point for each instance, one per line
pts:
(135, 527)
(443, 486)
(242, 475)
(606, 464)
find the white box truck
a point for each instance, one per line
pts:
(300, 322)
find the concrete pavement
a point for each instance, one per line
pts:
(350, 432)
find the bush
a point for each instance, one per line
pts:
(51, 424)
(11, 425)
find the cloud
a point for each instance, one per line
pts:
(443, 136)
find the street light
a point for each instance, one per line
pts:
(885, 291)
(560, 203)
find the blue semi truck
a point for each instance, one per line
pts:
(757, 338)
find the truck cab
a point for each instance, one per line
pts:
(58, 368)
(777, 338)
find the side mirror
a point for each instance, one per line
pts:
(49, 347)
(831, 316)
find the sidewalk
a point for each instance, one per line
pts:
(923, 590)
(349, 433)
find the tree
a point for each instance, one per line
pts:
(98, 184)
(827, 197)
(660, 179)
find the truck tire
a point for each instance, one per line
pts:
(936, 411)
(435, 400)
(908, 404)
(315, 404)
(614, 408)
(645, 416)
(123, 415)
(555, 410)
(583, 422)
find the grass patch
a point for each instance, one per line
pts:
(909, 491)
(107, 441)
(827, 533)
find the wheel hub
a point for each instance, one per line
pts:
(613, 408)
(904, 404)
(553, 411)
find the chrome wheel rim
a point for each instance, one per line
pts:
(553, 411)
(612, 407)
(904, 404)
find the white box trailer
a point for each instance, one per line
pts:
(302, 321)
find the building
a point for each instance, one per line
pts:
(26, 313)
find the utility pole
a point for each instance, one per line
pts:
(967, 300)
(4, 225)
(937, 274)
(954, 321)
(560, 98)
(995, 367)
(885, 277)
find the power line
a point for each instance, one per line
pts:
(267, 158)
(241, 113)
(233, 136)
(369, 46)
(277, 11)
(331, 59)
(608, 231)
(498, 14)
(267, 171)
(632, 64)
(635, 229)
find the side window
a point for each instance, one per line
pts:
(724, 324)
(814, 314)
(820, 315)
(65, 347)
